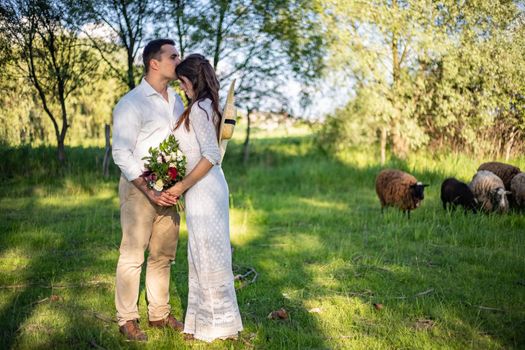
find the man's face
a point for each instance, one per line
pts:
(169, 59)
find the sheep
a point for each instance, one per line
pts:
(504, 171)
(490, 192)
(399, 189)
(517, 186)
(454, 192)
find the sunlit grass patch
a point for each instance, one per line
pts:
(308, 223)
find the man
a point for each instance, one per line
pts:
(143, 118)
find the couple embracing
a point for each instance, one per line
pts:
(143, 118)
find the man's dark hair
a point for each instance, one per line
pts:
(153, 50)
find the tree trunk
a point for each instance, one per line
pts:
(107, 154)
(246, 144)
(65, 125)
(61, 152)
(218, 35)
(179, 12)
(383, 145)
(395, 54)
(131, 78)
(398, 141)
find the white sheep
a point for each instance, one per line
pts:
(490, 191)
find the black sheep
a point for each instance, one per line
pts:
(455, 192)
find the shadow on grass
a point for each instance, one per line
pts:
(58, 249)
(26, 171)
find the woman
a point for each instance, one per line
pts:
(212, 305)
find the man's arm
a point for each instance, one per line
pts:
(126, 128)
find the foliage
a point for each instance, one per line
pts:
(165, 164)
(23, 121)
(426, 74)
(51, 56)
(121, 26)
(262, 44)
(445, 74)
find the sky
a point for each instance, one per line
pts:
(326, 95)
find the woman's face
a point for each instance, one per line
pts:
(187, 86)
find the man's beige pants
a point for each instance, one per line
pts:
(144, 226)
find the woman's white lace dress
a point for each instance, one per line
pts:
(212, 304)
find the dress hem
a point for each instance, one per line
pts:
(230, 334)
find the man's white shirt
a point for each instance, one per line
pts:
(142, 119)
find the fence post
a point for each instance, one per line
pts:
(246, 144)
(107, 155)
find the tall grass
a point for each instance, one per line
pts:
(307, 222)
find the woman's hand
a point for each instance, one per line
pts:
(200, 170)
(176, 190)
(159, 198)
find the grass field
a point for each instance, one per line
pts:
(308, 223)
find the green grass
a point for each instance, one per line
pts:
(308, 223)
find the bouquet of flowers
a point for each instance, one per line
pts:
(166, 165)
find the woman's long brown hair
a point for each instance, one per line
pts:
(200, 73)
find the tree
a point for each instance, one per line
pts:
(378, 44)
(475, 92)
(435, 67)
(261, 44)
(50, 54)
(178, 14)
(125, 20)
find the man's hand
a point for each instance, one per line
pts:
(163, 198)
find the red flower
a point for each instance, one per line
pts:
(172, 173)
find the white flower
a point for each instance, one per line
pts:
(159, 185)
(159, 159)
(167, 158)
(173, 165)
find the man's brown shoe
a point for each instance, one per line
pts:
(188, 336)
(169, 321)
(131, 330)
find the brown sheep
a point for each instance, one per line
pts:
(504, 171)
(517, 186)
(399, 189)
